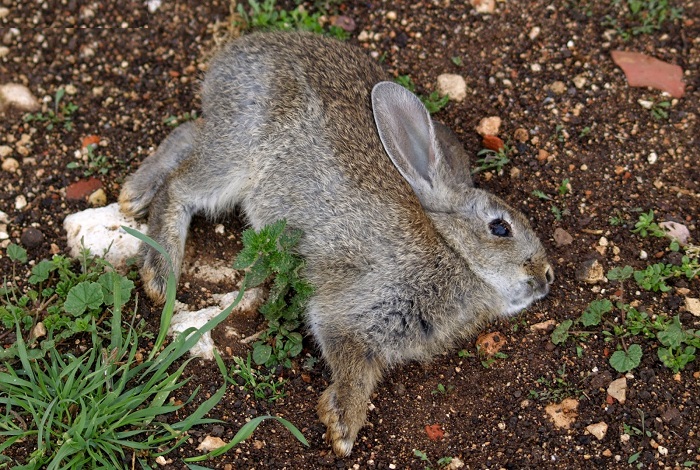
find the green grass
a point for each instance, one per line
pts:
(631, 18)
(109, 404)
(62, 113)
(432, 102)
(267, 15)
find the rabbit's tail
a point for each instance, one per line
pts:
(140, 188)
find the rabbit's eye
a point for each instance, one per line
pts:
(500, 228)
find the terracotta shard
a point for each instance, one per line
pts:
(642, 70)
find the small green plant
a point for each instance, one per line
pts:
(58, 302)
(558, 213)
(634, 17)
(62, 113)
(585, 132)
(557, 388)
(443, 462)
(465, 354)
(266, 253)
(659, 110)
(433, 102)
(541, 195)
(565, 187)
(457, 60)
(174, 121)
(95, 164)
(646, 226)
(267, 15)
(442, 390)
(560, 133)
(616, 220)
(489, 361)
(262, 386)
(493, 160)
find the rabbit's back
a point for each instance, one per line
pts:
(293, 112)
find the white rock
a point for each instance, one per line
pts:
(20, 202)
(676, 231)
(489, 126)
(452, 85)
(579, 81)
(4, 12)
(4, 218)
(211, 443)
(598, 430)
(18, 96)
(652, 158)
(153, 5)
(98, 198)
(391, 15)
(10, 165)
(693, 305)
(100, 229)
(646, 104)
(184, 318)
(618, 389)
(483, 6)
(534, 32)
(536, 67)
(5, 150)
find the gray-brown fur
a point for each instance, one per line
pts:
(399, 247)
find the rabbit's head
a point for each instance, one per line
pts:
(495, 240)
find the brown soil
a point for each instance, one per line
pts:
(127, 81)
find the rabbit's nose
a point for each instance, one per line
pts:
(549, 274)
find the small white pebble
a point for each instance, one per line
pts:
(391, 15)
(643, 255)
(20, 202)
(536, 67)
(652, 158)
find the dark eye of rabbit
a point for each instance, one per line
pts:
(500, 228)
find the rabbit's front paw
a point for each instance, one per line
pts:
(341, 428)
(154, 274)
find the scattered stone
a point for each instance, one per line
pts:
(391, 16)
(536, 67)
(82, 189)
(31, 237)
(89, 140)
(591, 272)
(676, 231)
(607, 453)
(646, 104)
(562, 237)
(364, 36)
(534, 32)
(434, 432)
(4, 51)
(98, 198)
(515, 172)
(693, 306)
(618, 389)
(10, 165)
(484, 6)
(563, 414)
(20, 202)
(492, 142)
(100, 230)
(558, 87)
(579, 81)
(17, 96)
(452, 85)
(345, 23)
(542, 156)
(160, 460)
(598, 430)
(5, 150)
(489, 344)
(489, 126)
(37, 332)
(642, 70)
(521, 135)
(454, 464)
(652, 158)
(544, 327)
(211, 443)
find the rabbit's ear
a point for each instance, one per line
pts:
(409, 138)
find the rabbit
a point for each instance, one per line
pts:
(407, 258)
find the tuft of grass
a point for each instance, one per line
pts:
(62, 113)
(95, 164)
(108, 406)
(492, 159)
(266, 15)
(433, 102)
(631, 18)
(262, 386)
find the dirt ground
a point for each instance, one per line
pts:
(128, 70)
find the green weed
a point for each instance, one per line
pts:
(659, 110)
(267, 15)
(262, 386)
(62, 113)
(433, 102)
(557, 388)
(492, 160)
(174, 121)
(443, 462)
(96, 163)
(267, 253)
(634, 17)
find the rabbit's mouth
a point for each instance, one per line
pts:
(527, 292)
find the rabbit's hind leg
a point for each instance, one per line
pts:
(343, 405)
(141, 187)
